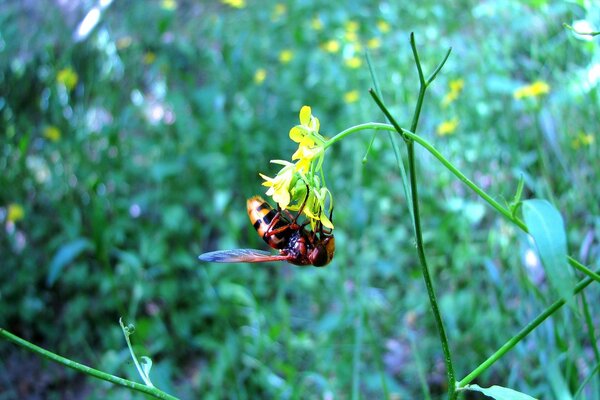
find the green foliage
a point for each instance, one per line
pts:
(133, 150)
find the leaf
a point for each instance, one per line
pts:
(500, 392)
(64, 256)
(146, 364)
(546, 226)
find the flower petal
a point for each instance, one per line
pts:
(305, 114)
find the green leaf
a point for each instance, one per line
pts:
(500, 393)
(546, 226)
(64, 256)
(146, 364)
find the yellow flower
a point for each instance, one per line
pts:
(307, 136)
(279, 187)
(67, 77)
(353, 62)
(169, 5)
(285, 56)
(331, 46)
(235, 3)
(351, 36)
(278, 11)
(351, 96)
(374, 43)
(535, 89)
(316, 24)
(52, 133)
(456, 86)
(260, 75)
(15, 212)
(447, 127)
(582, 139)
(383, 26)
(124, 42)
(149, 58)
(315, 208)
(351, 26)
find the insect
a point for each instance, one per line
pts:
(296, 244)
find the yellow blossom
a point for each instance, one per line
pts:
(353, 62)
(316, 24)
(331, 46)
(235, 3)
(52, 133)
(169, 5)
(374, 43)
(351, 26)
(307, 136)
(456, 86)
(279, 10)
(260, 75)
(351, 96)
(447, 127)
(535, 89)
(124, 42)
(285, 56)
(582, 139)
(383, 26)
(149, 57)
(67, 77)
(15, 212)
(351, 36)
(279, 187)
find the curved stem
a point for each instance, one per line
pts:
(152, 391)
(519, 336)
(480, 192)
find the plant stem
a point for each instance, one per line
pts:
(154, 392)
(416, 212)
(519, 336)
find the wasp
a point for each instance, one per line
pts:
(280, 230)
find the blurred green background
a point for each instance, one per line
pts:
(129, 146)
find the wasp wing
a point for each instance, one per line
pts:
(241, 255)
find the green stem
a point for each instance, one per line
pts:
(154, 392)
(519, 336)
(412, 168)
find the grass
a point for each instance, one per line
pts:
(161, 140)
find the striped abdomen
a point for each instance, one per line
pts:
(261, 214)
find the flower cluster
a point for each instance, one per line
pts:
(535, 89)
(302, 181)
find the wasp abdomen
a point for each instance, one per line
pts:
(261, 215)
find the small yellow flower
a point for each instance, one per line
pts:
(15, 212)
(351, 26)
(235, 3)
(67, 77)
(279, 187)
(124, 42)
(447, 127)
(149, 58)
(374, 43)
(535, 89)
(279, 10)
(260, 75)
(456, 86)
(353, 62)
(331, 46)
(316, 24)
(169, 5)
(351, 36)
(582, 139)
(285, 56)
(383, 26)
(307, 136)
(52, 133)
(351, 96)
